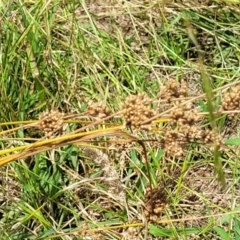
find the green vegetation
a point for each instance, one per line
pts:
(119, 120)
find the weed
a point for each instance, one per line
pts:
(136, 107)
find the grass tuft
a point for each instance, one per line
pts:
(119, 120)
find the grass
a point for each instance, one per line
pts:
(100, 178)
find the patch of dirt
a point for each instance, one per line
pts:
(203, 195)
(132, 20)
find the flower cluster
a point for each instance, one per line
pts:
(98, 110)
(136, 110)
(183, 128)
(174, 89)
(231, 100)
(51, 122)
(154, 203)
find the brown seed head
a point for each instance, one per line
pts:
(136, 109)
(184, 115)
(99, 110)
(50, 122)
(231, 100)
(154, 203)
(174, 89)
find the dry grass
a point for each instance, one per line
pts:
(138, 138)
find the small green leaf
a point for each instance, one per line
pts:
(236, 228)
(233, 141)
(222, 233)
(163, 232)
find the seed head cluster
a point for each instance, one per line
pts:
(184, 115)
(174, 89)
(98, 110)
(136, 110)
(231, 100)
(212, 136)
(184, 128)
(51, 122)
(154, 203)
(174, 143)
